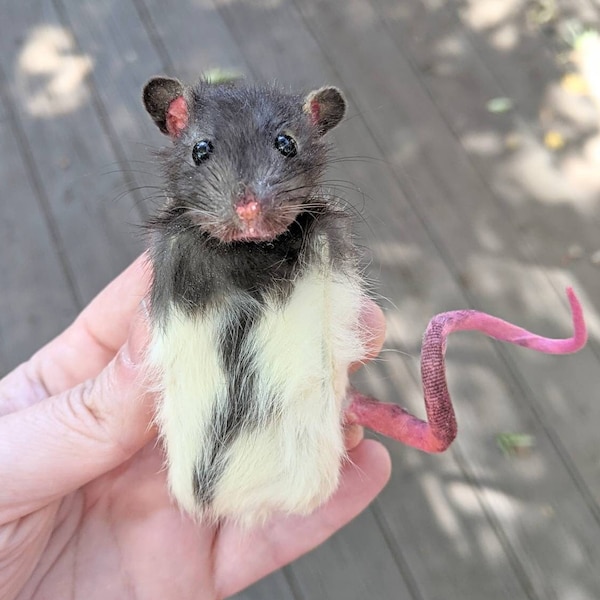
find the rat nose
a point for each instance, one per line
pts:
(248, 208)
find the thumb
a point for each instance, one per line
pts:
(57, 445)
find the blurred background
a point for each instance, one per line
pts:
(471, 153)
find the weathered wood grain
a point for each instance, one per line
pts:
(545, 230)
(46, 75)
(36, 301)
(343, 568)
(104, 30)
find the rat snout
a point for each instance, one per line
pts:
(248, 208)
(257, 219)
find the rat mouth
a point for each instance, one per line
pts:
(257, 220)
(259, 230)
(264, 228)
(251, 220)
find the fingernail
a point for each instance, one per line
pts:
(137, 342)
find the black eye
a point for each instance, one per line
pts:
(202, 151)
(286, 144)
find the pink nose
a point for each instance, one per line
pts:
(248, 209)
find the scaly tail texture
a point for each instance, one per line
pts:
(438, 432)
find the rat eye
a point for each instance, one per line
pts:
(286, 144)
(202, 151)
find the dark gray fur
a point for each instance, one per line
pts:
(194, 270)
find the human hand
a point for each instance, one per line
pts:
(84, 506)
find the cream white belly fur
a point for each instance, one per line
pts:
(302, 350)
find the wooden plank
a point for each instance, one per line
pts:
(546, 231)
(118, 77)
(550, 192)
(380, 73)
(35, 302)
(217, 50)
(69, 148)
(339, 555)
(516, 41)
(275, 586)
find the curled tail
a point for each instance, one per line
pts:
(438, 432)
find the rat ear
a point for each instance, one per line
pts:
(325, 107)
(164, 100)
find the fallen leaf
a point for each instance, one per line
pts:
(542, 12)
(575, 84)
(515, 444)
(554, 140)
(499, 105)
(218, 75)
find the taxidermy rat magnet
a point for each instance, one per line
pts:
(255, 302)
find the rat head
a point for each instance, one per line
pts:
(245, 161)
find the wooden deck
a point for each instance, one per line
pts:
(480, 121)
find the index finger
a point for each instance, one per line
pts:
(90, 343)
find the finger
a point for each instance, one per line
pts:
(353, 436)
(93, 339)
(55, 446)
(373, 325)
(240, 563)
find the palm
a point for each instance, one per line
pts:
(119, 535)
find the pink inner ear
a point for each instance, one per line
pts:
(315, 110)
(177, 116)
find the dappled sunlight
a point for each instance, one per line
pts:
(50, 73)
(586, 55)
(507, 507)
(552, 153)
(489, 238)
(505, 37)
(401, 265)
(569, 590)
(486, 15)
(406, 147)
(514, 281)
(484, 143)
(531, 173)
(582, 166)
(583, 169)
(402, 326)
(480, 394)
(443, 511)
(451, 48)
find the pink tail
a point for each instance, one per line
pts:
(438, 432)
